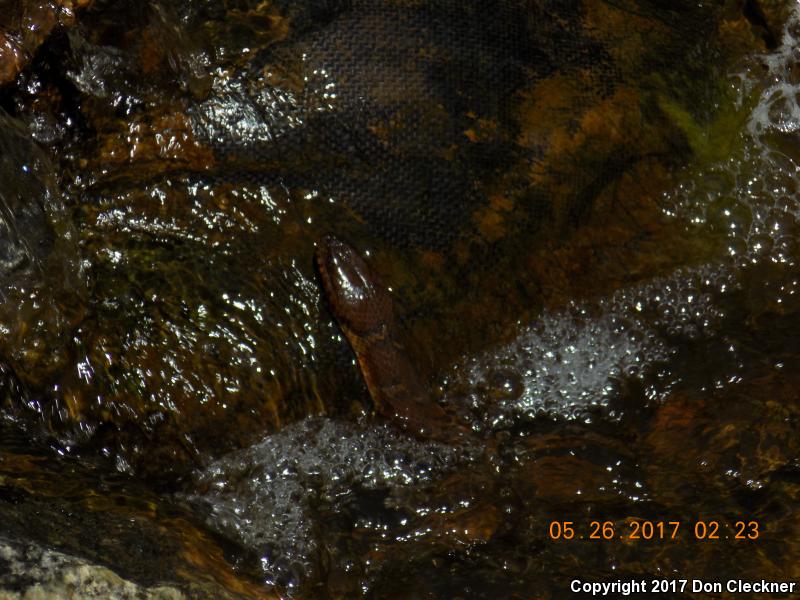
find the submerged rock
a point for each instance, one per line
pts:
(25, 26)
(504, 169)
(482, 158)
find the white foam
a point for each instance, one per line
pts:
(261, 496)
(572, 359)
(751, 199)
(778, 108)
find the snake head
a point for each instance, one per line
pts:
(357, 297)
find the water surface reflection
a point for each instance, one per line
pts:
(591, 237)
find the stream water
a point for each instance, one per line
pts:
(605, 285)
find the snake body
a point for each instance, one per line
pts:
(364, 311)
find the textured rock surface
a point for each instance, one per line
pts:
(29, 572)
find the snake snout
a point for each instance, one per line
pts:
(356, 296)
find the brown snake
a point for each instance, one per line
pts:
(364, 310)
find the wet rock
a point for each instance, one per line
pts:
(202, 154)
(39, 264)
(492, 161)
(26, 25)
(29, 571)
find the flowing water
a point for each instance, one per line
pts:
(671, 401)
(180, 407)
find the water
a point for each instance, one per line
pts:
(667, 401)
(572, 361)
(181, 407)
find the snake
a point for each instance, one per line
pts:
(364, 310)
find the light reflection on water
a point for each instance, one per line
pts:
(569, 366)
(598, 407)
(571, 361)
(268, 495)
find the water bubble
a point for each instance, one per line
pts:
(729, 216)
(505, 384)
(264, 498)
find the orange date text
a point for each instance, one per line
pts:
(642, 529)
